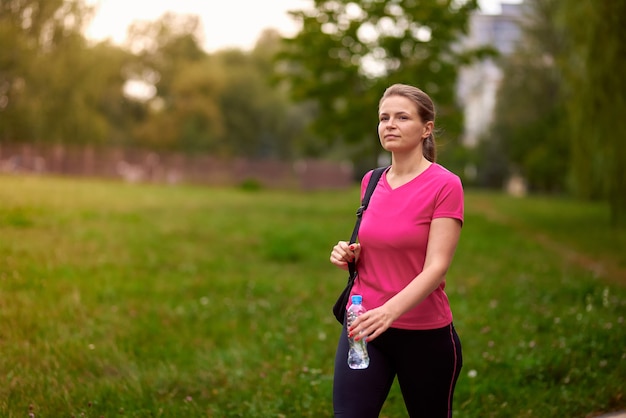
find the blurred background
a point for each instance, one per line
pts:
(174, 173)
(530, 95)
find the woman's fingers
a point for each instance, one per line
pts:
(343, 253)
(370, 325)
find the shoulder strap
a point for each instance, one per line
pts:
(371, 185)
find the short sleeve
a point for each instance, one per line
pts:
(449, 201)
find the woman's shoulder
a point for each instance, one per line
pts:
(444, 174)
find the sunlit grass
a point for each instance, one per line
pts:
(189, 301)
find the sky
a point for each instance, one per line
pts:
(226, 23)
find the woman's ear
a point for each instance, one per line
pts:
(428, 129)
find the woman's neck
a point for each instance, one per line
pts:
(403, 171)
(408, 165)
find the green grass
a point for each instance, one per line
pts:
(156, 301)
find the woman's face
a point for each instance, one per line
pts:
(400, 128)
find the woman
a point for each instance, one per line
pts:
(407, 240)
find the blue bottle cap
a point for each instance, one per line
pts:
(357, 299)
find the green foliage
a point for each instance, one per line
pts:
(559, 120)
(40, 44)
(221, 103)
(348, 52)
(529, 127)
(259, 120)
(187, 118)
(142, 301)
(55, 87)
(593, 69)
(184, 113)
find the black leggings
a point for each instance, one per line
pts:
(427, 364)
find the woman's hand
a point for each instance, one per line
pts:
(372, 323)
(343, 253)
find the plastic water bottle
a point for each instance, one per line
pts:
(357, 355)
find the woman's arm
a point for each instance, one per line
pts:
(442, 241)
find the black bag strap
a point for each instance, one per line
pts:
(371, 185)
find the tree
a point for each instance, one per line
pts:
(54, 87)
(220, 103)
(184, 113)
(36, 35)
(594, 69)
(188, 118)
(348, 52)
(260, 121)
(247, 104)
(529, 128)
(106, 86)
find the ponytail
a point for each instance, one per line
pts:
(429, 148)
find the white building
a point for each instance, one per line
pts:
(478, 84)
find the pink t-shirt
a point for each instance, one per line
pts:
(394, 235)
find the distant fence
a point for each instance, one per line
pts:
(148, 166)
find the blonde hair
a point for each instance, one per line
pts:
(425, 110)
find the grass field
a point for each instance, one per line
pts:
(157, 301)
